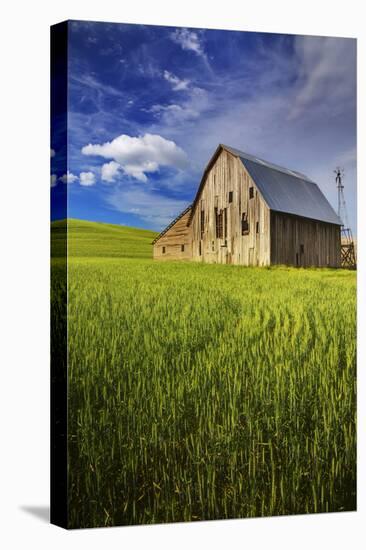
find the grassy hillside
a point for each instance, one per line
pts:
(93, 239)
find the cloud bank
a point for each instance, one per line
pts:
(87, 179)
(177, 83)
(110, 171)
(69, 177)
(188, 40)
(137, 156)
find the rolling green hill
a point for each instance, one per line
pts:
(93, 239)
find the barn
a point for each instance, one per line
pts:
(251, 212)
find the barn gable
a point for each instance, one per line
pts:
(174, 242)
(229, 219)
(283, 190)
(251, 212)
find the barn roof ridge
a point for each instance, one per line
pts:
(272, 165)
(283, 190)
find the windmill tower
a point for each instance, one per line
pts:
(348, 256)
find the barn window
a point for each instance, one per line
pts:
(218, 223)
(182, 247)
(301, 249)
(213, 246)
(202, 222)
(244, 224)
(251, 192)
(200, 248)
(230, 196)
(163, 249)
(225, 223)
(257, 227)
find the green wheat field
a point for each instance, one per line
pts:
(201, 392)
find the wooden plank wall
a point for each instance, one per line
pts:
(179, 234)
(277, 239)
(303, 242)
(229, 175)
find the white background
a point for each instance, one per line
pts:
(24, 273)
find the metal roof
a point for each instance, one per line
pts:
(239, 153)
(287, 190)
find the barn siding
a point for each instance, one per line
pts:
(281, 238)
(179, 234)
(321, 242)
(228, 174)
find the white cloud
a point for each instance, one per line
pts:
(110, 171)
(69, 177)
(156, 209)
(87, 179)
(52, 153)
(139, 155)
(173, 114)
(177, 83)
(188, 40)
(53, 180)
(137, 171)
(327, 70)
(89, 81)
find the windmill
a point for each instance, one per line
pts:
(348, 256)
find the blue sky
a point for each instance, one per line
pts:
(148, 106)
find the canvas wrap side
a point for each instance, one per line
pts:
(59, 47)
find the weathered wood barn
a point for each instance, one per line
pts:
(251, 212)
